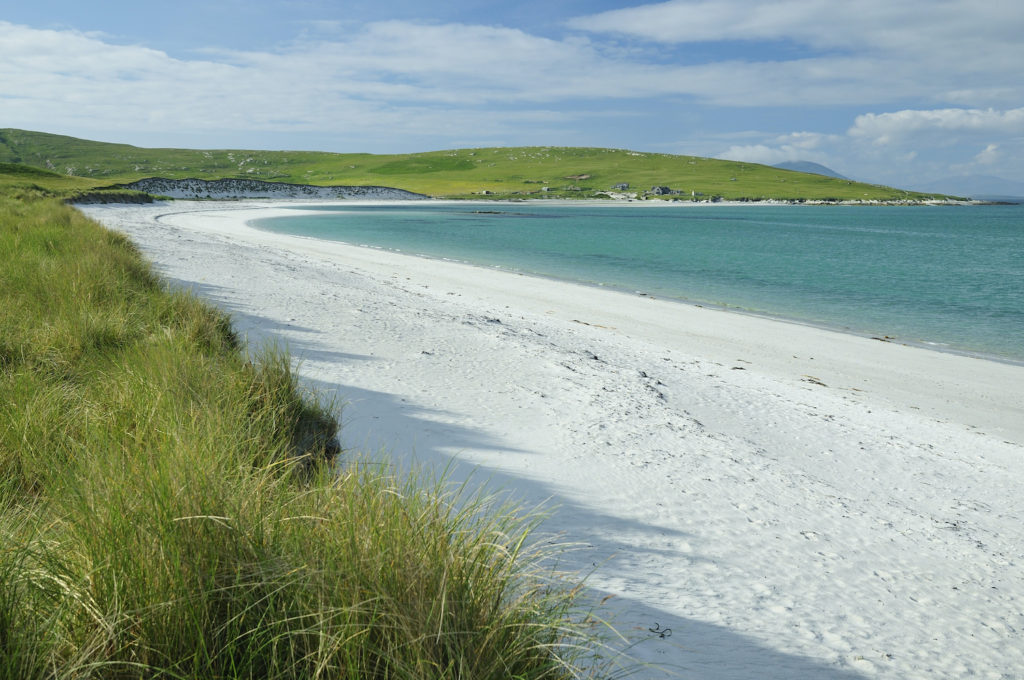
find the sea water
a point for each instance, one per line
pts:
(948, 277)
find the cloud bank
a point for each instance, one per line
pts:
(944, 73)
(924, 48)
(886, 128)
(893, 146)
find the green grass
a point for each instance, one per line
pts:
(27, 182)
(169, 509)
(518, 172)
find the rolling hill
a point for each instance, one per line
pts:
(809, 166)
(519, 172)
(26, 180)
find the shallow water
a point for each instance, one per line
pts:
(947, 277)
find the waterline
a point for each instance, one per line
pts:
(946, 278)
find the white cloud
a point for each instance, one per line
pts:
(904, 25)
(760, 153)
(805, 141)
(988, 156)
(390, 77)
(887, 128)
(869, 50)
(401, 73)
(796, 146)
(902, 147)
(680, 21)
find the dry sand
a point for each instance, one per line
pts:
(791, 502)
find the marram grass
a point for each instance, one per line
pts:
(169, 509)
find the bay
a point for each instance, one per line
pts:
(946, 277)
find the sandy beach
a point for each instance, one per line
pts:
(790, 502)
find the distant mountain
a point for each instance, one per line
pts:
(975, 186)
(808, 166)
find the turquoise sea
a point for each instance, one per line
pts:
(948, 277)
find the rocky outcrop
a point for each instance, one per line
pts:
(254, 188)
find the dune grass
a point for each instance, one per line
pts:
(25, 182)
(170, 508)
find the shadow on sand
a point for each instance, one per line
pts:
(386, 427)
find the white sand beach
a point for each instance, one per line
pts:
(790, 502)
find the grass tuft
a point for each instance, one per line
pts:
(170, 509)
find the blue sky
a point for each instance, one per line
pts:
(892, 91)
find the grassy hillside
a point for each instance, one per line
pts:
(169, 509)
(462, 173)
(24, 182)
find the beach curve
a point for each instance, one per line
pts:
(786, 499)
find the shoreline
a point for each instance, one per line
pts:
(792, 502)
(733, 309)
(876, 335)
(973, 378)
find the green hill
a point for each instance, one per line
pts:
(26, 180)
(536, 172)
